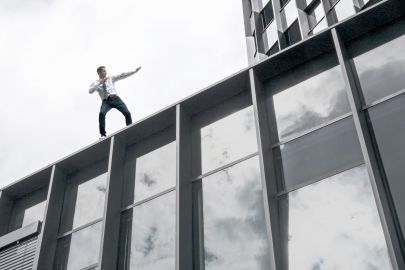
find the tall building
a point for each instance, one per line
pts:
(296, 162)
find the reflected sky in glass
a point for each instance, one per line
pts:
(271, 35)
(84, 247)
(90, 200)
(155, 171)
(234, 225)
(382, 70)
(228, 139)
(331, 148)
(316, 15)
(334, 224)
(153, 234)
(34, 213)
(321, 25)
(290, 13)
(344, 9)
(310, 103)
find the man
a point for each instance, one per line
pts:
(106, 89)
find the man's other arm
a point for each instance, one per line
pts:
(93, 86)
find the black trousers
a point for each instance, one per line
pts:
(113, 101)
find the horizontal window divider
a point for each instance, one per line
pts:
(90, 267)
(384, 99)
(316, 24)
(79, 228)
(267, 26)
(147, 199)
(322, 177)
(302, 134)
(286, 3)
(333, 6)
(224, 167)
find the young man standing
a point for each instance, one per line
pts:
(106, 89)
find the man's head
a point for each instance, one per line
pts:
(102, 72)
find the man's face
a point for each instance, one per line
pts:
(102, 73)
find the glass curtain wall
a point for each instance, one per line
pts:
(379, 63)
(229, 195)
(327, 214)
(80, 228)
(147, 235)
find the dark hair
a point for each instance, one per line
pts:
(99, 68)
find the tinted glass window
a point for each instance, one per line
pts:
(267, 15)
(292, 35)
(228, 139)
(289, 14)
(80, 250)
(315, 14)
(388, 121)
(319, 153)
(148, 238)
(312, 95)
(344, 9)
(155, 171)
(380, 62)
(84, 202)
(271, 35)
(334, 224)
(234, 226)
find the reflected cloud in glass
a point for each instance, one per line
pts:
(155, 171)
(90, 200)
(84, 247)
(382, 70)
(234, 225)
(34, 213)
(228, 139)
(334, 224)
(152, 243)
(310, 103)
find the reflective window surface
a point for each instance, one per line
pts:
(150, 235)
(319, 153)
(315, 14)
(290, 13)
(228, 139)
(381, 70)
(388, 121)
(334, 224)
(90, 200)
(34, 213)
(155, 171)
(321, 25)
(234, 226)
(310, 103)
(84, 247)
(344, 9)
(271, 35)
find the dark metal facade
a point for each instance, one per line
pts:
(292, 163)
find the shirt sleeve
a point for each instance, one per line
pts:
(123, 75)
(93, 87)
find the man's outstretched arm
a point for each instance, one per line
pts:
(125, 75)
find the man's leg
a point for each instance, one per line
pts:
(120, 105)
(105, 107)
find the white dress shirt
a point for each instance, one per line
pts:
(109, 88)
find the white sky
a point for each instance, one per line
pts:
(49, 50)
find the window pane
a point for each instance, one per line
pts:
(234, 225)
(155, 171)
(311, 102)
(334, 224)
(228, 139)
(381, 70)
(90, 200)
(34, 213)
(84, 202)
(317, 154)
(267, 15)
(321, 25)
(148, 241)
(290, 13)
(344, 9)
(271, 35)
(315, 14)
(292, 35)
(388, 121)
(80, 250)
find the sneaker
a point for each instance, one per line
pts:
(102, 137)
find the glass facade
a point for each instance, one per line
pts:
(272, 168)
(235, 233)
